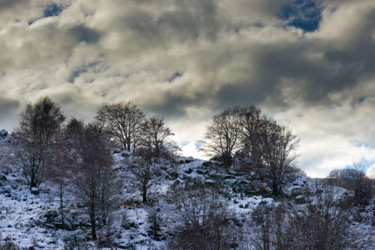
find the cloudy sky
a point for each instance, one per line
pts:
(309, 64)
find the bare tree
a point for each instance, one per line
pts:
(123, 121)
(95, 184)
(40, 124)
(353, 179)
(74, 131)
(321, 224)
(222, 135)
(206, 223)
(253, 125)
(146, 173)
(279, 145)
(59, 172)
(154, 136)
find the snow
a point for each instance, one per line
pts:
(22, 214)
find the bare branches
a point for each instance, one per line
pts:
(278, 155)
(123, 121)
(268, 146)
(40, 124)
(353, 179)
(95, 182)
(146, 173)
(223, 133)
(154, 135)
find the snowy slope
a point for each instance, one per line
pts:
(30, 220)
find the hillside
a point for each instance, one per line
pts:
(186, 190)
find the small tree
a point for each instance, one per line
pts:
(73, 132)
(154, 136)
(60, 170)
(321, 224)
(123, 121)
(146, 173)
(222, 135)
(96, 185)
(353, 179)
(40, 124)
(279, 145)
(253, 126)
(206, 223)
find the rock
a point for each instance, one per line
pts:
(200, 171)
(319, 191)
(300, 199)
(51, 215)
(35, 190)
(3, 133)
(173, 175)
(207, 164)
(189, 159)
(126, 154)
(210, 182)
(117, 151)
(297, 191)
(188, 171)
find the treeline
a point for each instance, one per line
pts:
(261, 144)
(80, 156)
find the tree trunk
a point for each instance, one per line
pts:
(93, 226)
(33, 181)
(62, 206)
(144, 194)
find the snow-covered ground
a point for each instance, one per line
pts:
(29, 220)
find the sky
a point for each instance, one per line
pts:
(308, 64)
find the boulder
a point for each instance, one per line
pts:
(3, 133)
(35, 190)
(173, 175)
(300, 199)
(188, 171)
(207, 164)
(297, 191)
(126, 154)
(117, 151)
(189, 159)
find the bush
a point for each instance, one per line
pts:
(353, 179)
(323, 224)
(206, 224)
(8, 244)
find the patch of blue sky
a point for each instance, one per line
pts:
(174, 76)
(95, 67)
(197, 144)
(361, 165)
(52, 10)
(303, 14)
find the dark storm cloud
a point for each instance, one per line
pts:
(7, 106)
(174, 105)
(84, 34)
(189, 20)
(7, 4)
(187, 59)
